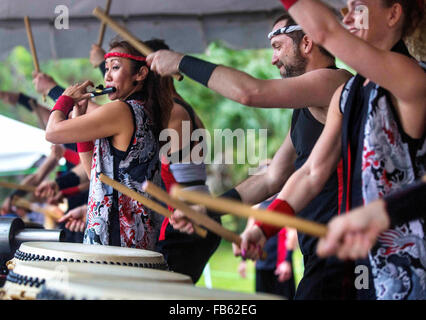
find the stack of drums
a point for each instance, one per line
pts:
(48, 270)
(38, 264)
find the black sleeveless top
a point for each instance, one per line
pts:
(305, 131)
(182, 153)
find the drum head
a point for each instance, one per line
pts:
(85, 253)
(26, 278)
(47, 270)
(97, 289)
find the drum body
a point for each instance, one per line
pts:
(24, 282)
(96, 289)
(26, 279)
(85, 253)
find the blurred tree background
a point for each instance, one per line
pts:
(215, 111)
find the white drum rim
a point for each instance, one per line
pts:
(37, 271)
(99, 254)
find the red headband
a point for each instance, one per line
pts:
(124, 55)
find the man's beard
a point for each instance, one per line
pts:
(294, 69)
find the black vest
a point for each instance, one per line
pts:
(305, 131)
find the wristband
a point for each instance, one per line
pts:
(56, 92)
(281, 246)
(406, 205)
(67, 180)
(70, 191)
(24, 100)
(18, 193)
(232, 194)
(64, 104)
(197, 69)
(288, 3)
(279, 206)
(72, 156)
(85, 146)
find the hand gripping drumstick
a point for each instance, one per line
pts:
(239, 209)
(192, 214)
(145, 201)
(103, 25)
(15, 186)
(50, 211)
(32, 47)
(139, 45)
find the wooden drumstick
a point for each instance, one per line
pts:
(145, 201)
(123, 32)
(15, 186)
(103, 25)
(32, 47)
(192, 214)
(239, 209)
(50, 211)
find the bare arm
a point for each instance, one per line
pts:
(86, 161)
(371, 62)
(177, 116)
(309, 180)
(43, 114)
(109, 120)
(50, 163)
(260, 187)
(46, 167)
(313, 89)
(80, 171)
(43, 83)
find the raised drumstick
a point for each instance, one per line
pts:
(32, 47)
(103, 25)
(192, 214)
(237, 208)
(145, 201)
(123, 32)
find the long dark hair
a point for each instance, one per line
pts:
(413, 11)
(156, 92)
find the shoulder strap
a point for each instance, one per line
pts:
(188, 109)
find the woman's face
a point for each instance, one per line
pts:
(118, 74)
(367, 19)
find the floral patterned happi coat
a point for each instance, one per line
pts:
(398, 260)
(139, 226)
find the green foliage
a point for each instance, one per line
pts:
(224, 270)
(16, 76)
(215, 111)
(220, 113)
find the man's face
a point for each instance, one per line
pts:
(286, 56)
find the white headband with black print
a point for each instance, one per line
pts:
(284, 30)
